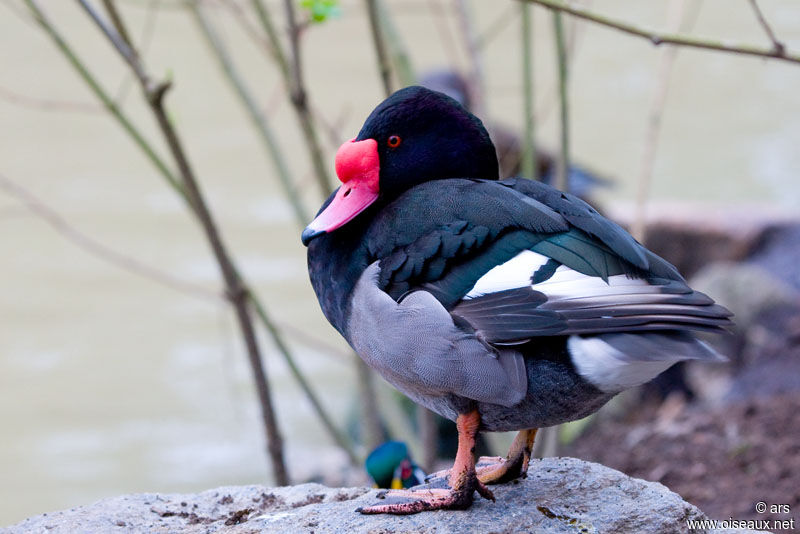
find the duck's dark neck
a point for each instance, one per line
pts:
(335, 261)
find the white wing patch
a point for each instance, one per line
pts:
(512, 274)
(565, 283)
(607, 368)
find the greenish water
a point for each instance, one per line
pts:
(112, 383)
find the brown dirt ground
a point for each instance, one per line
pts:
(723, 459)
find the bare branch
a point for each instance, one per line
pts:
(276, 48)
(398, 54)
(122, 45)
(529, 164)
(148, 31)
(113, 14)
(682, 22)
(292, 79)
(128, 263)
(549, 102)
(440, 17)
(658, 38)
(104, 97)
(249, 28)
(477, 83)
(562, 165)
(495, 28)
(333, 128)
(777, 45)
(303, 337)
(339, 437)
(298, 96)
(428, 436)
(46, 104)
(18, 11)
(379, 43)
(236, 290)
(271, 143)
(296, 86)
(100, 250)
(258, 118)
(176, 5)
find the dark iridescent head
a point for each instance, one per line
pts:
(384, 460)
(414, 136)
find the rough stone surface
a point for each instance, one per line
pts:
(560, 495)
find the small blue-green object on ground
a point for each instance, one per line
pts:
(390, 466)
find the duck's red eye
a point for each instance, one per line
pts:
(394, 141)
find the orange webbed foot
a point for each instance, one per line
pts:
(428, 499)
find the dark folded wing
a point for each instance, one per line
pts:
(585, 218)
(580, 273)
(570, 303)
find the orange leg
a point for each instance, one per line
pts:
(497, 470)
(463, 479)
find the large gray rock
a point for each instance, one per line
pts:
(560, 495)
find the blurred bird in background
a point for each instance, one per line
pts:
(390, 466)
(507, 142)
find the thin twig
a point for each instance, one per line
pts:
(113, 14)
(428, 436)
(128, 263)
(275, 48)
(18, 11)
(46, 104)
(332, 128)
(400, 59)
(777, 45)
(378, 42)
(258, 118)
(496, 27)
(100, 250)
(658, 38)
(529, 164)
(269, 139)
(296, 61)
(339, 438)
(176, 5)
(121, 44)
(104, 97)
(562, 164)
(440, 17)
(546, 444)
(469, 36)
(550, 100)
(236, 291)
(299, 98)
(249, 28)
(384, 35)
(145, 39)
(682, 21)
(371, 425)
(289, 72)
(303, 337)
(572, 32)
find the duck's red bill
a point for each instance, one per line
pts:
(358, 167)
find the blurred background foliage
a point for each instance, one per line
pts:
(122, 368)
